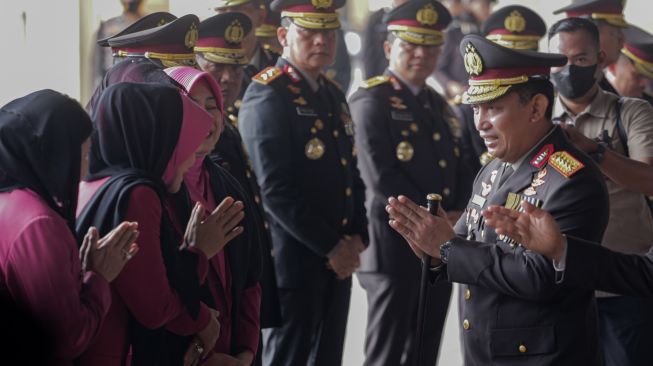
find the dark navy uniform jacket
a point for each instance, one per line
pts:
(406, 146)
(301, 147)
(513, 312)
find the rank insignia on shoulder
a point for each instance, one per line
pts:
(565, 163)
(375, 81)
(267, 75)
(542, 157)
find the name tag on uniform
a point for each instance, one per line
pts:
(401, 116)
(478, 200)
(307, 112)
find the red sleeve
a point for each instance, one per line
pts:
(143, 284)
(43, 273)
(202, 263)
(249, 320)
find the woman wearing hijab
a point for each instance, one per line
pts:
(42, 141)
(146, 139)
(233, 278)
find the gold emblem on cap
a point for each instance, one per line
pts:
(405, 151)
(234, 32)
(191, 36)
(314, 148)
(515, 22)
(473, 61)
(427, 15)
(322, 4)
(161, 22)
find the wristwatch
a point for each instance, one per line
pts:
(444, 251)
(599, 153)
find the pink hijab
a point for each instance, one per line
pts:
(197, 178)
(196, 125)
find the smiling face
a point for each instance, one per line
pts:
(414, 63)
(310, 50)
(506, 125)
(202, 95)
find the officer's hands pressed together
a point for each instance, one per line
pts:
(423, 232)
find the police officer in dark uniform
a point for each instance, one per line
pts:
(632, 73)
(266, 34)
(298, 131)
(513, 312)
(609, 18)
(405, 146)
(512, 26)
(147, 47)
(219, 49)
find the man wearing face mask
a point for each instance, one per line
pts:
(595, 113)
(608, 17)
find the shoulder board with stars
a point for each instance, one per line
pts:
(375, 81)
(268, 74)
(565, 163)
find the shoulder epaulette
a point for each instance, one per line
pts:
(565, 163)
(267, 75)
(328, 77)
(375, 81)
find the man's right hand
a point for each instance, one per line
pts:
(534, 228)
(344, 258)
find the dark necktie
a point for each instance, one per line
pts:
(508, 170)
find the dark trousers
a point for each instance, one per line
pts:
(392, 318)
(313, 329)
(626, 326)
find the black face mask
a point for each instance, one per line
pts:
(132, 6)
(574, 81)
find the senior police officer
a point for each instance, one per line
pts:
(406, 145)
(513, 313)
(299, 134)
(513, 26)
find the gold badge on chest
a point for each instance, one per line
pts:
(314, 148)
(405, 151)
(397, 103)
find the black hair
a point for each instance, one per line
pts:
(534, 86)
(574, 25)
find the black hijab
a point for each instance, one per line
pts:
(137, 129)
(40, 148)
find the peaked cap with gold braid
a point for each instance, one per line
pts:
(638, 47)
(515, 26)
(220, 38)
(171, 43)
(420, 22)
(494, 69)
(310, 14)
(609, 11)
